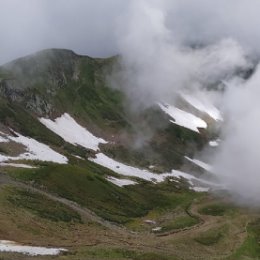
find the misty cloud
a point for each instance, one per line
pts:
(157, 68)
(158, 64)
(85, 26)
(237, 162)
(89, 27)
(166, 47)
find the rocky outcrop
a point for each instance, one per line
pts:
(36, 78)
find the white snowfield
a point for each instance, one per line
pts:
(35, 151)
(3, 139)
(200, 189)
(126, 170)
(183, 118)
(17, 165)
(157, 229)
(67, 128)
(204, 106)
(201, 164)
(121, 182)
(214, 143)
(9, 246)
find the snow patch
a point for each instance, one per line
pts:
(157, 229)
(78, 157)
(67, 128)
(214, 143)
(123, 169)
(126, 170)
(150, 222)
(3, 140)
(17, 165)
(201, 164)
(35, 151)
(200, 189)
(204, 106)
(183, 118)
(9, 246)
(121, 182)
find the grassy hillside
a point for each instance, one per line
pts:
(193, 225)
(55, 81)
(41, 206)
(88, 187)
(75, 206)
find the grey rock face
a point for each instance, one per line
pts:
(35, 79)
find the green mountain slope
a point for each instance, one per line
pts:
(52, 82)
(55, 81)
(75, 205)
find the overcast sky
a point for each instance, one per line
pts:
(86, 26)
(90, 26)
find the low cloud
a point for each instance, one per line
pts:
(156, 67)
(166, 47)
(237, 162)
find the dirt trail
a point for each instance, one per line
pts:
(173, 242)
(206, 222)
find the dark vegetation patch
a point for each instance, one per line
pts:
(42, 206)
(218, 209)
(180, 223)
(210, 237)
(121, 253)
